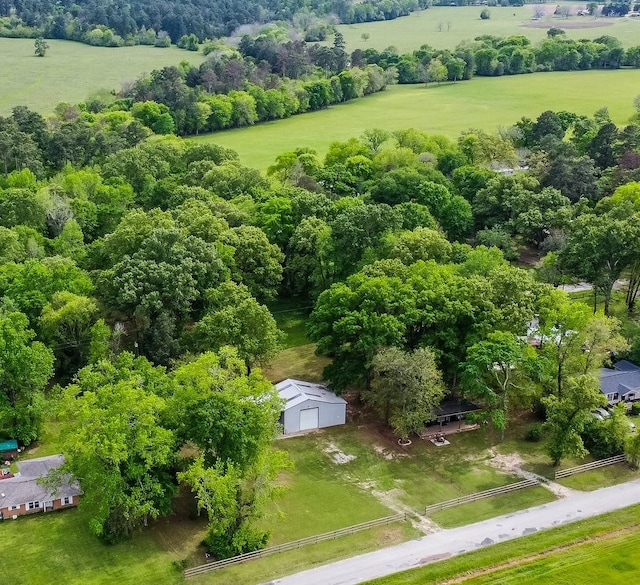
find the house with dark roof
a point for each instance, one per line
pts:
(622, 383)
(23, 493)
(309, 406)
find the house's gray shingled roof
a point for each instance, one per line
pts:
(24, 488)
(625, 377)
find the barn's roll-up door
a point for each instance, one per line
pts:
(309, 419)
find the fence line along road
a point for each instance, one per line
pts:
(505, 489)
(589, 466)
(214, 566)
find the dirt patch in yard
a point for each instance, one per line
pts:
(391, 499)
(337, 456)
(513, 464)
(388, 454)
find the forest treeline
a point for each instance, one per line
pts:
(270, 77)
(137, 271)
(114, 23)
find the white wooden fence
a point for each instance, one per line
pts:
(589, 466)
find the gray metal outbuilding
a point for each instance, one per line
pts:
(309, 406)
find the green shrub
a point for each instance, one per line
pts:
(485, 14)
(180, 565)
(534, 433)
(635, 409)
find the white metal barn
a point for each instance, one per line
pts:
(309, 406)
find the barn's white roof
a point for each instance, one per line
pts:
(296, 392)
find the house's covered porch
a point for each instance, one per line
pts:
(450, 418)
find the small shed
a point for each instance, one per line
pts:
(309, 406)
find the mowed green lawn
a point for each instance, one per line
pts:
(483, 102)
(376, 479)
(413, 477)
(58, 547)
(71, 71)
(444, 27)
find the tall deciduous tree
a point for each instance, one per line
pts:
(568, 415)
(256, 262)
(116, 445)
(572, 341)
(25, 369)
(161, 286)
(66, 324)
(496, 373)
(234, 317)
(406, 388)
(232, 417)
(600, 247)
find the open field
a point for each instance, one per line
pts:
(71, 71)
(444, 27)
(485, 103)
(591, 551)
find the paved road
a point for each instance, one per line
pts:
(448, 543)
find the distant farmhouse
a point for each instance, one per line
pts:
(622, 383)
(22, 493)
(309, 406)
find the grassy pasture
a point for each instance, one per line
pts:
(605, 561)
(598, 550)
(71, 71)
(448, 109)
(444, 27)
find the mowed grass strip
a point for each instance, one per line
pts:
(492, 507)
(599, 478)
(444, 27)
(319, 496)
(487, 103)
(564, 545)
(292, 315)
(70, 71)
